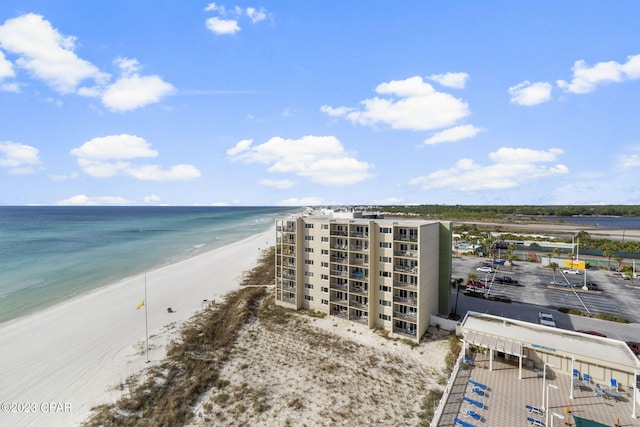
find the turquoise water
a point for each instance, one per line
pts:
(50, 254)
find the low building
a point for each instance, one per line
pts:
(386, 274)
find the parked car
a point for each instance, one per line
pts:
(506, 280)
(546, 319)
(634, 346)
(484, 269)
(560, 283)
(475, 283)
(592, 286)
(596, 333)
(571, 271)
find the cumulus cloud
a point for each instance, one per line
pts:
(586, 79)
(109, 156)
(453, 134)
(280, 184)
(84, 200)
(304, 201)
(388, 201)
(227, 20)
(629, 161)
(152, 199)
(510, 168)
(410, 104)
(452, 80)
(50, 57)
(19, 159)
(528, 94)
(321, 159)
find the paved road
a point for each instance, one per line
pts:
(534, 294)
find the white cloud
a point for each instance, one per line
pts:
(412, 104)
(256, 15)
(321, 159)
(131, 92)
(241, 146)
(62, 178)
(222, 26)
(388, 201)
(586, 79)
(212, 7)
(452, 80)
(305, 201)
(511, 167)
(279, 184)
(527, 93)
(152, 199)
(46, 53)
(454, 134)
(83, 200)
(108, 156)
(629, 161)
(10, 87)
(19, 159)
(6, 67)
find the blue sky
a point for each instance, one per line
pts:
(119, 102)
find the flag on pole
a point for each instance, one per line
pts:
(140, 305)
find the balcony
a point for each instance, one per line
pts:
(359, 248)
(408, 332)
(413, 302)
(357, 261)
(340, 246)
(338, 259)
(359, 305)
(364, 319)
(359, 234)
(406, 269)
(406, 285)
(358, 290)
(410, 316)
(340, 312)
(339, 272)
(339, 233)
(405, 238)
(338, 286)
(338, 300)
(408, 254)
(288, 300)
(359, 275)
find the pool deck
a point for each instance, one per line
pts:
(507, 396)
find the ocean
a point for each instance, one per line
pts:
(620, 222)
(50, 254)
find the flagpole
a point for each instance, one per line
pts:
(146, 316)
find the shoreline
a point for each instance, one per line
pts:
(74, 353)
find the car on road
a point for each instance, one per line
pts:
(592, 286)
(561, 283)
(546, 319)
(484, 269)
(595, 333)
(634, 346)
(571, 271)
(475, 283)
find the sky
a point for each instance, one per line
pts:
(172, 102)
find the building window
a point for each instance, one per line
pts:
(308, 273)
(385, 230)
(385, 303)
(325, 226)
(308, 226)
(308, 297)
(325, 302)
(308, 250)
(385, 245)
(308, 261)
(308, 237)
(308, 285)
(385, 288)
(324, 264)
(385, 274)
(385, 259)
(324, 251)
(384, 317)
(324, 277)
(325, 239)
(323, 289)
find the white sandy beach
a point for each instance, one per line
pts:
(60, 362)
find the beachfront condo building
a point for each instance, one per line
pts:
(388, 274)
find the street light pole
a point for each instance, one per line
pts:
(544, 380)
(555, 387)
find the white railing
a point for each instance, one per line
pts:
(437, 414)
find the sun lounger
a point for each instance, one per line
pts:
(599, 391)
(473, 414)
(534, 410)
(473, 402)
(586, 378)
(468, 359)
(478, 391)
(576, 374)
(477, 384)
(614, 384)
(462, 423)
(534, 422)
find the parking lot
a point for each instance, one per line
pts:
(534, 292)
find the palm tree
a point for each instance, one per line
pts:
(554, 266)
(608, 253)
(627, 269)
(619, 261)
(457, 282)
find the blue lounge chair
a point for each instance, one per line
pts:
(534, 410)
(468, 359)
(614, 384)
(576, 374)
(586, 378)
(477, 384)
(534, 422)
(473, 414)
(478, 391)
(462, 423)
(473, 402)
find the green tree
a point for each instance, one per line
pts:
(554, 266)
(628, 270)
(458, 284)
(608, 253)
(619, 259)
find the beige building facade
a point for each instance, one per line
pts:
(381, 273)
